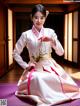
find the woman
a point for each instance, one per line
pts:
(43, 79)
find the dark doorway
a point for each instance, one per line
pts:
(56, 22)
(23, 23)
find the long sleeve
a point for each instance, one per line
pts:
(21, 43)
(57, 47)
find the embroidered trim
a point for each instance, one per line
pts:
(35, 31)
(29, 80)
(58, 77)
(46, 70)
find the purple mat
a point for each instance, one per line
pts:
(7, 91)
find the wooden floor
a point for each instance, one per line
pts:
(13, 75)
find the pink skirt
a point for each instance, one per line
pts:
(44, 84)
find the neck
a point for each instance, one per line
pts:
(38, 29)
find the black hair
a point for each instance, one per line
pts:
(39, 8)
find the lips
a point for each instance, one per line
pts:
(38, 23)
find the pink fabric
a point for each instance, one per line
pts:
(59, 78)
(54, 76)
(36, 33)
(29, 79)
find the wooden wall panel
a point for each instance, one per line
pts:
(2, 51)
(79, 37)
(3, 55)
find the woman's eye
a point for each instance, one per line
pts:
(39, 17)
(36, 17)
(42, 17)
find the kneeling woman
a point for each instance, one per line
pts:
(43, 79)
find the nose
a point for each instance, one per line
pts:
(39, 19)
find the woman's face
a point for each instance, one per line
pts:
(38, 20)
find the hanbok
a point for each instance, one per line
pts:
(44, 82)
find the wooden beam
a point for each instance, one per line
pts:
(38, 1)
(73, 7)
(28, 9)
(19, 9)
(51, 8)
(22, 1)
(51, 5)
(52, 1)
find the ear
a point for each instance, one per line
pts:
(47, 13)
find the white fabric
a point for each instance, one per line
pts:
(34, 46)
(45, 86)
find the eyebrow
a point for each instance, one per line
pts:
(39, 16)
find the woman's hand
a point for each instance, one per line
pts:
(30, 65)
(45, 39)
